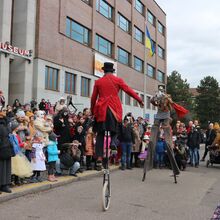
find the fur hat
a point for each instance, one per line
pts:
(40, 114)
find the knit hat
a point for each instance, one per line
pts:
(146, 137)
(20, 113)
(52, 136)
(13, 125)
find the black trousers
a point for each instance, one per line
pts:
(51, 168)
(111, 125)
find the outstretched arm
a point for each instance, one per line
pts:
(130, 91)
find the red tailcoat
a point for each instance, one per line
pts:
(106, 90)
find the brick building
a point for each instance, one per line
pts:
(68, 40)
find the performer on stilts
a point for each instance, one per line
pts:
(107, 109)
(164, 104)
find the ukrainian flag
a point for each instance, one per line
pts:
(149, 43)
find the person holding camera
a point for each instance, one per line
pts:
(69, 159)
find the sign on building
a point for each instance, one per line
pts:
(9, 49)
(99, 63)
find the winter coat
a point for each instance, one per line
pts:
(161, 146)
(52, 151)
(126, 134)
(137, 140)
(105, 95)
(5, 145)
(194, 139)
(210, 136)
(62, 129)
(89, 145)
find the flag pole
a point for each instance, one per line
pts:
(145, 72)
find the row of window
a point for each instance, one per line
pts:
(82, 34)
(128, 99)
(107, 10)
(52, 79)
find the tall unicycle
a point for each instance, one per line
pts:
(106, 190)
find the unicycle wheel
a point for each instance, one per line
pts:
(106, 196)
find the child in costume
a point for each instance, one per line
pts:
(37, 157)
(53, 152)
(21, 167)
(144, 146)
(89, 148)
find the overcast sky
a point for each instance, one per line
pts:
(193, 38)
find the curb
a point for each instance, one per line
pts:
(46, 185)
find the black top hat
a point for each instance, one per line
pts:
(108, 67)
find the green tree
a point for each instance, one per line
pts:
(179, 89)
(208, 101)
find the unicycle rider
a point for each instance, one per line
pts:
(106, 108)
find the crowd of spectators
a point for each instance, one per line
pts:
(42, 137)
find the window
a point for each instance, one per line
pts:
(104, 8)
(138, 35)
(138, 64)
(123, 23)
(150, 70)
(151, 18)
(127, 99)
(139, 6)
(123, 56)
(87, 1)
(51, 78)
(103, 46)
(161, 28)
(161, 52)
(148, 102)
(85, 87)
(77, 32)
(160, 76)
(70, 83)
(135, 102)
(120, 94)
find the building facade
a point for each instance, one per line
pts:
(69, 40)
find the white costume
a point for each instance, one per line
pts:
(40, 158)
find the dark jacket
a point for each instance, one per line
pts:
(210, 136)
(194, 139)
(126, 134)
(6, 149)
(62, 129)
(42, 106)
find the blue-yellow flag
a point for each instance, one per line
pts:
(149, 43)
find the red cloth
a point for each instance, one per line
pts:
(106, 90)
(20, 142)
(180, 111)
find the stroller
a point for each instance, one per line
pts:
(214, 155)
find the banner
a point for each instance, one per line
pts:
(99, 63)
